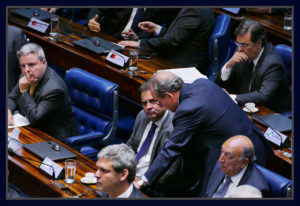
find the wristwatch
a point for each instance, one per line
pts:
(140, 183)
(24, 92)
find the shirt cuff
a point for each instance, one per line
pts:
(144, 179)
(157, 32)
(233, 97)
(225, 73)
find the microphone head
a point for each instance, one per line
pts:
(97, 42)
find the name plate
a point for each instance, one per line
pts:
(117, 58)
(275, 136)
(50, 166)
(38, 25)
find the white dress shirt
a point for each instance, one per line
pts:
(127, 193)
(144, 162)
(128, 26)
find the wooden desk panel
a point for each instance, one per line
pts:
(26, 175)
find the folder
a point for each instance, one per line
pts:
(275, 121)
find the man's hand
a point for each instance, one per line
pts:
(10, 118)
(94, 25)
(50, 10)
(129, 35)
(133, 44)
(236, 58)
(24, 84)
(148, 26)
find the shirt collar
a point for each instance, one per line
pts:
(236, 179)
(127, 193)
(161, 120)
(258, 56)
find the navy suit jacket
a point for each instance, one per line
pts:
(252, 176)
(49, 109)
(205, 118)
(270, 85)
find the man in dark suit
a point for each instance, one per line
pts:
(205, 116)
(15, 39)
(185, 42)
(41, 95)
(256, 72)
(116, 171)
(123, 21)
(236, 163)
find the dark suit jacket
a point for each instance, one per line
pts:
(185, 42)
(205, 118)
(252, 176)
(15, 40)
(136, 193)
(163, 136)
(49, 109)
(270, 85)
(115, 19)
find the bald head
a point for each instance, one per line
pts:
(236, 154)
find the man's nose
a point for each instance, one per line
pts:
(221, 159)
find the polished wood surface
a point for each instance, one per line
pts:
(65, 55)
(272, 22)
(26, 175)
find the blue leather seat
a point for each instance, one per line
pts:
(286, 53)
(219, 45)
(279, 185)
(95, 105)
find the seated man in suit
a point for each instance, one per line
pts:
(116, 171)
(41, 95)
(15, 39)
(185, 42)
(235, 167)
(148, 146)
(121, 23)
(204, 118)
(256, 72)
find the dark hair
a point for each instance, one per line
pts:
(256, 29)
(144, 87)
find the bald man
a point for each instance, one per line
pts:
(205, 116)
(234, 168)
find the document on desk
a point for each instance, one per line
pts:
(20, 121)
(188, 75)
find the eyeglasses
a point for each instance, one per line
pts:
(244, 45)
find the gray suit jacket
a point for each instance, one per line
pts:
(252, 176)
(15, 40)
(136, 193)
(49, 109)
(162, 137)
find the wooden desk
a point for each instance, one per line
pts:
(272, 22)
(65, 55)
(26, 175)
(277, 162)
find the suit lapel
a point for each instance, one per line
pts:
(214, 180)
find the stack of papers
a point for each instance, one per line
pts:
(188, 75)
(20, 121)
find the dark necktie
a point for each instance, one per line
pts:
(247, 79)
(137, 18)
(223, 188)
(251, 68)
(146, 143)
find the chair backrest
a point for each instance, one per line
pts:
(279, 185)
(94, 102)
(219, 45)
(286, 53)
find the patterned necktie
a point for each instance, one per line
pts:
(223, 188)
(137, 18)
(146, 143)
(32, 88)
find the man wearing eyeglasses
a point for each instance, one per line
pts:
(256, 72)
(153, 119)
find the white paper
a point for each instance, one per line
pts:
(20, 121)
(188, 75)
(274, 137)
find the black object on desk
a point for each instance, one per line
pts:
(276, 121)
(28, 13)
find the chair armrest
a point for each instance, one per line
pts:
(84, 139)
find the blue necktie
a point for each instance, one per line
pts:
(146, 143)
(137, 18)
(223, 188)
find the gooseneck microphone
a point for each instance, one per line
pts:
(22, 157)
(253, 114)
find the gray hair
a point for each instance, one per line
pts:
(31, 48)
(256, 29)
(248, 152)
(144, 87)
(165, 83)
(123, 158)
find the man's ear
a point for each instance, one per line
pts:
(123, 175)
(245, 163)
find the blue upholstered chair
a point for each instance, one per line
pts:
(279, 185)
(286, 53)
(219, 45)
(95, 105)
